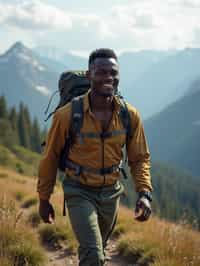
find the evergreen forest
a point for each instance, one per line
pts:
(18, 128)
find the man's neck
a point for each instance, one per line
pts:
(100, 103)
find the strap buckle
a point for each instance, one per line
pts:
(78, 170)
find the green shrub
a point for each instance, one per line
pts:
(19, 168)
(27, 156)
(3, 175)
(34, 218)
(29, 202)
(25, 253)
(19, 159)
(4, 261)
(5, 155)
(136, 250)
(52, 235)
(19, 195)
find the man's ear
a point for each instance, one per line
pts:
(88, 74)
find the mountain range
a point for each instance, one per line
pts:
(163, 85)
(26, 77)
(173, 134)
(149, 79)
(163, 81)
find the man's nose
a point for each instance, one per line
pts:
(109, 77)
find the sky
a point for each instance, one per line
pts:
(80, 26)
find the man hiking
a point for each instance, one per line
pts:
(92, 166)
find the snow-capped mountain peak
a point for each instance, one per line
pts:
(18, 52)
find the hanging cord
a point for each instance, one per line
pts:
(51, 98)
(49, 115)
(47, 109)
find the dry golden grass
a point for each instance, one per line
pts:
(22, 190)
(156, 242)
(15, 183)
(19, 245)
(159, 241)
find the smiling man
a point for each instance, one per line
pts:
(91, 185)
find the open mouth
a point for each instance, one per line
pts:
(107, 85)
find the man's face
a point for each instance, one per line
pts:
(104, 76)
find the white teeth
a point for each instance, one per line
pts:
(107, 84)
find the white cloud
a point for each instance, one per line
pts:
(190, 3)
(145, 21)
(34, 15)
(157, 24)
(42, 89)
(138, 24)
(196, 39)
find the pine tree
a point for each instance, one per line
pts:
(7, 135)
(3, 107)
(24, 136)
(13, 117)
(36, 136)
(27, 121)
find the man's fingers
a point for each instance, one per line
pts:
(142, 211)
(52, 219)
(47, 212)
(48, 220)
(146, 214)
(45, 219)
(139, 208)
(138, 212)
(52, 213)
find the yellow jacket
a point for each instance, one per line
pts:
(94, 152)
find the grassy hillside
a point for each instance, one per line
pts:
(23, 236)
(19, 245)
(19, 159)
(175, 195)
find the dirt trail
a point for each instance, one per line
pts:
(62, 257)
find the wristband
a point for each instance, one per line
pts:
(146, 194)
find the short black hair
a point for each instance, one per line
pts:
(102, 53)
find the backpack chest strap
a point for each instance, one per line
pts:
(100, 171)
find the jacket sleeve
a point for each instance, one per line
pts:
(50, 157)
(138, 155)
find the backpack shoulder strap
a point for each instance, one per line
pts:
(125, 117)
(76, 115)
(74, 129)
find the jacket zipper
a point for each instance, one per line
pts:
(104, 177)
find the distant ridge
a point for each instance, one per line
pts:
(26, 77)
(173, 134)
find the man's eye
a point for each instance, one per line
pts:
(100, 72)
(114, 72)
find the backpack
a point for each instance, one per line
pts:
(72, 85)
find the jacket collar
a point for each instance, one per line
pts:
(86, 103)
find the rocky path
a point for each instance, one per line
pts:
(62, 257)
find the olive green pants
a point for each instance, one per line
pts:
(92, 213)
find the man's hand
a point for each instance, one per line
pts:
(143, 209)
(46, 211)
